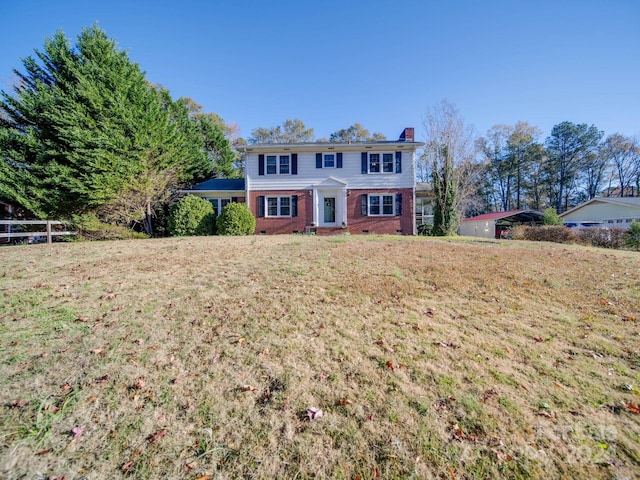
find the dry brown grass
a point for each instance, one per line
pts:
(198, 358)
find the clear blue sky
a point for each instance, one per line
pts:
(382, 63)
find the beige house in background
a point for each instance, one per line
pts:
(611, 212)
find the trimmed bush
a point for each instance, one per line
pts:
(192, 216)
(236, 219)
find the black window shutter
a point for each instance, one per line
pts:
(261, 206)
(294, 206)
(398, 162)
(338, 160)
(365, 206)
(294, 164)
(364, 162)
(398, 204)
(318, 160)
(260, 164)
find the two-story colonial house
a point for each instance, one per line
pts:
(359, 187)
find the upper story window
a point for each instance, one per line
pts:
(278, 164)
(381, 162)
(328, 160)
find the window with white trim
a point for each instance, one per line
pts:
(278, 206)
(329, 160)
(381, 205)
(381, 163)
(278, 165)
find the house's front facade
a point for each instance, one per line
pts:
(360, 187)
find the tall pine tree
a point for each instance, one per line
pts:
(84, 131)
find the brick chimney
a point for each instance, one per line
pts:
(407, 135)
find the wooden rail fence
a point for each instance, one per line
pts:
(49, 233)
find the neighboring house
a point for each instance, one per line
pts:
(611, 212)
(498, 225)
(220, 191)
(359, 187)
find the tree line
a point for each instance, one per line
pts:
(511, 168)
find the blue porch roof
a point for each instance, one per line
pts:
(221, 184)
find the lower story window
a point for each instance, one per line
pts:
(218, 204)
(381, 205)
(278, 206)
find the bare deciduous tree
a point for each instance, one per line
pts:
(449, 153)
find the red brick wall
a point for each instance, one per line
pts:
(356, 223)
(283, 225)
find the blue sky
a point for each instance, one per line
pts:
(381, 63)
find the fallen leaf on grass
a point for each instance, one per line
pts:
(44, 452)
(157, 436)
(538, 339)
(108, 296)
(98, 351)
(343, 401)
(77, 432)
(385, 346)
(204, 477)
(249, 388)
(126, 468)
(390, 365)
(446, 345)
(19, 403)
(633, 407)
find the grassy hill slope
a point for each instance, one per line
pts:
(199, 358)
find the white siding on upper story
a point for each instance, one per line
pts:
(350, 173)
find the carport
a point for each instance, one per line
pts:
(497, 225)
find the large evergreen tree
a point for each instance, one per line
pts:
(571, 149)
(84, 131)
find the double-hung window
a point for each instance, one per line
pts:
(278, 165)
(381, 162)
(380, 205)
(278, 206)
(329, 160)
